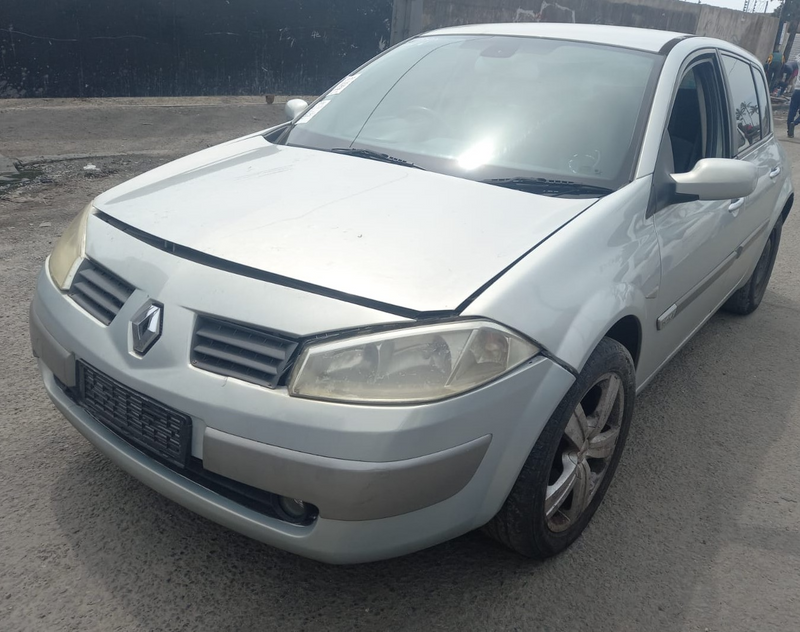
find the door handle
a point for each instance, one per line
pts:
(736, 205)
(775, 172)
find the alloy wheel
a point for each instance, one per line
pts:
(584, 453)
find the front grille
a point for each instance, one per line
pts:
(135, 417)
(99, 292)
(237, 351)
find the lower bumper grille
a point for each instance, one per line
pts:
(165, 434)
(137, 418)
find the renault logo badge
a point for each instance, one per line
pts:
(146, 327)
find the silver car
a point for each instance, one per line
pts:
(426, 303)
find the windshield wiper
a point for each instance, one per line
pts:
(553, 188)
(374, 155)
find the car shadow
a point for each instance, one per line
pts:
(701, 435)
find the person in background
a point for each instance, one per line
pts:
(773, 68)
(788, 76)
(794, 106)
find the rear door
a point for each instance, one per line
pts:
(753, 142)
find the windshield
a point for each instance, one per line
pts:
(487, 107)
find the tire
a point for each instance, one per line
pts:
(523, 524)
(747, 298)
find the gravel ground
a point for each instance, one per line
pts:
(157, 126)
(698, 532)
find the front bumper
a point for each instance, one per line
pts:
(386, 480)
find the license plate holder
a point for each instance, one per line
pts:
(156, 429)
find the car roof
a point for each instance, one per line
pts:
(650, 40)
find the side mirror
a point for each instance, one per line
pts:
(717, 179)
(294, 108)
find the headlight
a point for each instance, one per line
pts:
(416, 364)
(70, 249)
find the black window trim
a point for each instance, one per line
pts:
(729, 94)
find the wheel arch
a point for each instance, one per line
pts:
(628, 332)
(787, 207)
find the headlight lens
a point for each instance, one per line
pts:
(70, 249)
(416, 364)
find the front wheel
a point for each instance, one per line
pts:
(567, 473)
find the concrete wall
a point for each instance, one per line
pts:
(99, 48)
(754, 32)
(86, 48)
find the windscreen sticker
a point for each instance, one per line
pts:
(313, 112)
(343, 84)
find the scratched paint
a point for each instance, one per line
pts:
(92, 48)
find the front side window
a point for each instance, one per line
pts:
(697, 122)
(485, 107)
(744, 102)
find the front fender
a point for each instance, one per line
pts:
(569, 291)
(587, 326)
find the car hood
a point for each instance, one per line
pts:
(404, 237)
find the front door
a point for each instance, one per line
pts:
(698, 239)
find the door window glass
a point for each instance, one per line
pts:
(697, 122)
(763, 103)
(744, 102)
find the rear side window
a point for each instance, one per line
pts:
(747, 114)
(763, 103)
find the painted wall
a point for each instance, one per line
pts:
(754, 32)
(92, 48)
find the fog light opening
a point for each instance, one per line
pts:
(295, 510)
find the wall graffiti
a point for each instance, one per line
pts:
(548, 12)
